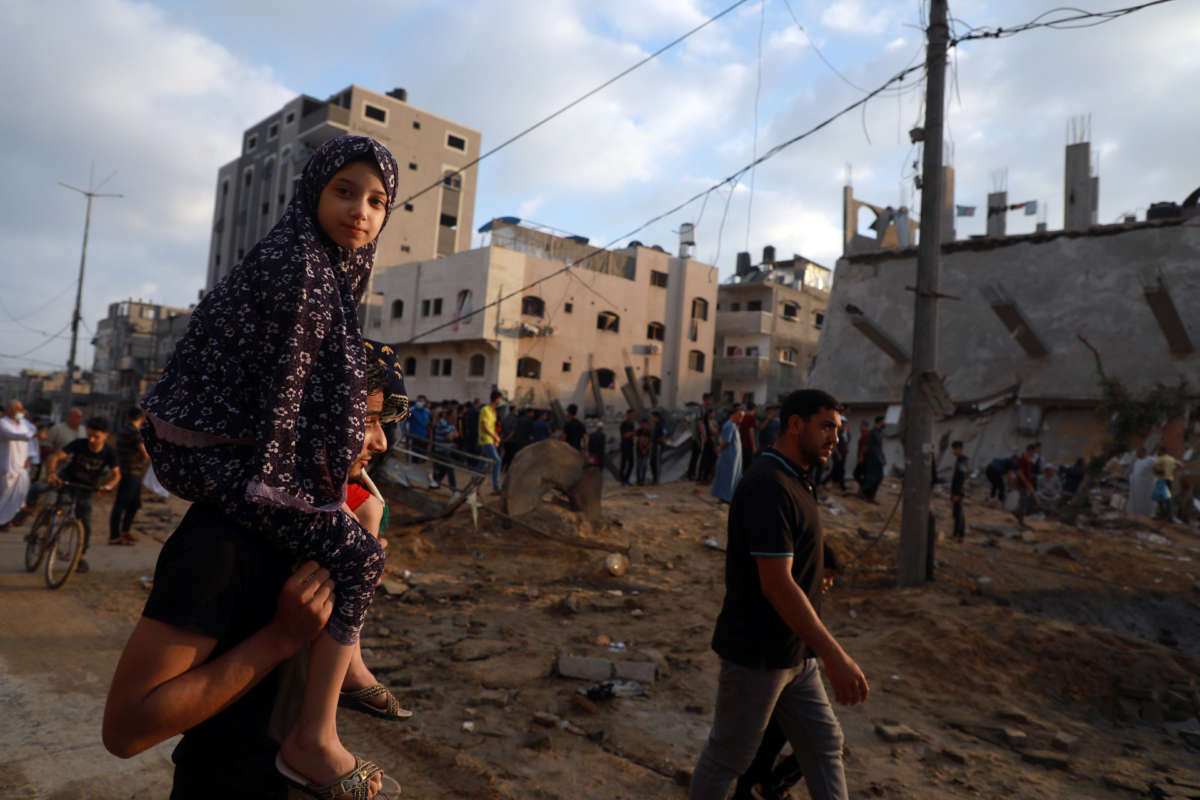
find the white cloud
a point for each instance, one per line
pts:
(857, 18)
(895, 44)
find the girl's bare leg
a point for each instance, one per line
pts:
(312, 747)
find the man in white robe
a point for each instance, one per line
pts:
(1141, 485)
(15, 434)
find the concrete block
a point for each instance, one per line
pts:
(583, 668)
(640, 671)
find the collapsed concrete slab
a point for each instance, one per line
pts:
(552, 464)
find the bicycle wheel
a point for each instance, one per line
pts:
(63, 553)
(35, 540)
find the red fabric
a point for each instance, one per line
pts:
(355, 496)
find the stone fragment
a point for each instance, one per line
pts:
(1065, 742)
(491, 697)
(896, 733)
(394, 586)
(478, 649)
(957, 756)
(1014, 715)
(1047, 758)
(1054, 549)
(1014, 737)
(1126, 783)
(546, 719)
(583, 668)
(537, 740)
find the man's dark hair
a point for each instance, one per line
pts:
(736, 408)
(750, 405)
(97, 424)
(656, 414)
(955, 444)
(629, 411)
(134, 414)
(1029, 448)
(572, 409)
(806, 402)
(878, 420)
(706, 396)
(495, 395)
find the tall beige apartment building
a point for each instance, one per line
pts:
(253, 189)
(572, 336)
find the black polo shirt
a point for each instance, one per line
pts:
(773, 515)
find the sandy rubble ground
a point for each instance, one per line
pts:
(1096, 636)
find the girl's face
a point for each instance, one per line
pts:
(353, 205)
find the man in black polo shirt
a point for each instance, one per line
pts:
(768, 634)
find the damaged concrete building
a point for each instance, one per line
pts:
(1024, 322)
(769, 319)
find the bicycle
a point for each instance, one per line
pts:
(56, 537)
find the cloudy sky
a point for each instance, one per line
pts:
(159, 93)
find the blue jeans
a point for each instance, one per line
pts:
(746, 698)
(489, 451)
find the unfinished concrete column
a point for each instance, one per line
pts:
(997, 214)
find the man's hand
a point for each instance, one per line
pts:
(849, 684)
(304, 605)
(54, 480)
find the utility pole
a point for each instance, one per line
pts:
(915, 547)
(90, 194)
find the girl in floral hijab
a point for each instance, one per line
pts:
(261, 410)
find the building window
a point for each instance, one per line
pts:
(790, 310)
(477, 365)
(608, 321)
(819, 319)
(568, 307)
(266, 208)
(656, 331)
(658, 278)
(416, 125)
(405, 248)
(408, 206)
(435, 367)
(735, 306)
(241, 254)
(410, 366)
(752, 352)
(605, 378)
(700, 308)
(455, 142)
(733, 351)
(397, 309)
(529, 368)
(273, 131)
(412, 165)
(448, 221)
(251, 142)
(374, 112)
(289, 118)
(787, 355)
(446, 364)
(533, 306)
(437, 306)
(652, 384)
(441, 367)
(452, 180)
(754, 305)
(249, 176)
(696, 360)
(566, 366)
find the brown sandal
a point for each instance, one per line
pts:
(354, 785)
(359, 700)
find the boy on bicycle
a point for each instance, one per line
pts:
(87, 460)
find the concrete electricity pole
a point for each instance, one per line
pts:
(915, 548)
(75, 317)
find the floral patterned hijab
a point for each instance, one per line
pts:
(273, 355)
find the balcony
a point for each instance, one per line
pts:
(741, 368)
(323, 123)
(744, 323)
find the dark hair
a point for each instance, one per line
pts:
(572, 409)
(829, 556)
(750, 405)
(656, 413)
(806, 402)
(495, 395)
(134, 413)
(956, 444)
(736, 408)
(97, 424)
(878, 420)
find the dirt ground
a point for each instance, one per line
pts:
(1060, 662)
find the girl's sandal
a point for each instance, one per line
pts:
(360, 700)
(354, 785)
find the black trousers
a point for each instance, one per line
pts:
(626, 462)
(960, 520)
(708, 462)
(125, 505)
(656, 452)
(996, 479)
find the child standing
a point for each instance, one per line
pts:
(261, 411)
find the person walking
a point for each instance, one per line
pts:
(489, 436)
(958, 489)
(873, 469)
(16, 433)
(729, 457)
(133, 460)
(658, 431)
(628, 432)
(1141, 485)
(769, 635)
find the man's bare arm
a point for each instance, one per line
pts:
(164, 685)
(792, 604)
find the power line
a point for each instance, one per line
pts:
(731, 179)
(35, 348)
(575, 102)
(762, 24)
(1079, 20)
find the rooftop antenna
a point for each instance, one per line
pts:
(90, 194)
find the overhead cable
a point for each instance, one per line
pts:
(731, 179)
(573, 103)
(1081, 19)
